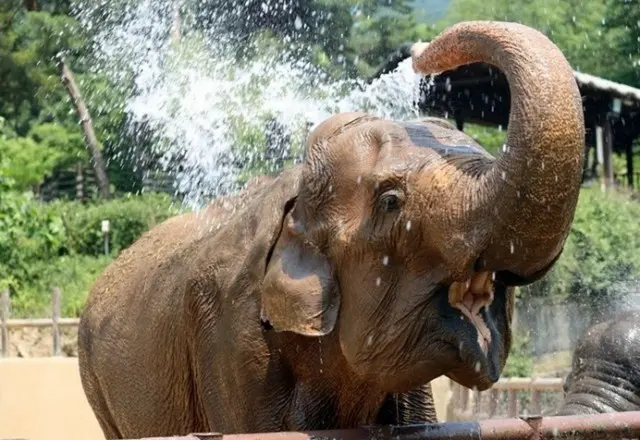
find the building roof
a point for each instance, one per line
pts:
(621, 91)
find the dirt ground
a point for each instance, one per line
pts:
(38, 342)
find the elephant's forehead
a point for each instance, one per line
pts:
(442, 140)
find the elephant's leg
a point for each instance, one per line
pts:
(100, 408)
(416, 406)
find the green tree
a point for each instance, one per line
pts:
(576, 26)
(623, 22)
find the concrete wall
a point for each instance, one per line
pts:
(42, 399)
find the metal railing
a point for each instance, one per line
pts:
(56, 322)
(623, 425)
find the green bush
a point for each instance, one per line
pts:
(60, 244)
(601, 250)
(129, 218)
(29, 231)
(73, 274)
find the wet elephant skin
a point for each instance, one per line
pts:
(605, 375)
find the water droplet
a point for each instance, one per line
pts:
(460, 346)
(556, 177)
(511, 248)
(298, 23)
(385, 260)
(378, 281)
(476, 367)
(330, 188)
(408, 225)
(369, 340)
(504, 175)
(542, 165)
(359, 180)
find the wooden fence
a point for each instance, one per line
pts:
(509, 397)
(55, 322)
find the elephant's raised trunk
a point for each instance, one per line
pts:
(534, 185)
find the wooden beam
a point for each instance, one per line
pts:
(629, 157)
(607, 152)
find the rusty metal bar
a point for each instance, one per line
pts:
(597, 426)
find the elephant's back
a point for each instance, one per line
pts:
(160, 254)
(132, 340)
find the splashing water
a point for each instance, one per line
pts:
(213, 117)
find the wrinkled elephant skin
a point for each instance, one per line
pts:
(330, 296)
(605, 375)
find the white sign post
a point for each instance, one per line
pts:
(105, 233)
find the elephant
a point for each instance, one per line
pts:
(605, 372)
(329, 295)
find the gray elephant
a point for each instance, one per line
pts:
(331, 295)
(605, 375)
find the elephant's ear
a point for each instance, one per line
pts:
(299, 291)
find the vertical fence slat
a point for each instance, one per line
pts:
(4, 318)
(493, 402)
(536, 402)
(55, 319)
(513, 402)
(477, 401)
(464, 399)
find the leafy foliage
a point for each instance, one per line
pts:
(601, 250)
(37, 240)
(129, 218)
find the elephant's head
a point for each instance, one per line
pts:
(404, 238)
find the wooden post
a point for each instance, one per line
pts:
(513, 402)
(629, 157)
(55, 321)
(607, 153)
(493, 403)
(535, 402)
(91, 141)
(4, 327)
(477, 400)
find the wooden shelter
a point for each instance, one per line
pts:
(479, 93)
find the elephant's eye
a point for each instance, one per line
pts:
(389, 201)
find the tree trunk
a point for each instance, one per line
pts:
(176, 26)
(91, 141)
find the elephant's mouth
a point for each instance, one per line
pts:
(470, 297)
(474, 332)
